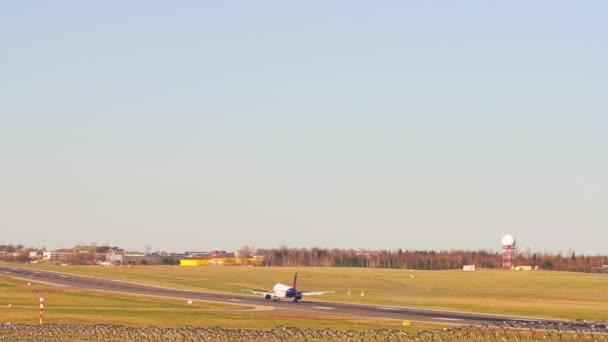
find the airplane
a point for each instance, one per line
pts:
(285, 291)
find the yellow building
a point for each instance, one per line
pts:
(221, 262)
(188, 262)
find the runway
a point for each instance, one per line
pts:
(303, 308)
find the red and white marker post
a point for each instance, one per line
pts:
(41, 306)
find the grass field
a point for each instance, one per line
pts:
(19, 304)
(542, 294)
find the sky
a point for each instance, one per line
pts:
(194, 125)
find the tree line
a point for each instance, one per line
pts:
(427, 260)
(325, 257)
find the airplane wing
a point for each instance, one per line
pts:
(317, 293)
(260, 292)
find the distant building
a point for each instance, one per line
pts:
(57, 255)
(190, 254)
(36, 254)
(114, 258)
(523, 268)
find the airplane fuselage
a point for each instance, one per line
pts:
(281, 290)
(285, 291)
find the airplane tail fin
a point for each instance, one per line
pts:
(295, 279)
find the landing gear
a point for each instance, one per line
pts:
(295, 300)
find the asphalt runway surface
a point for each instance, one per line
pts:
(303, 308)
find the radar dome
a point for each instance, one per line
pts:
(508, 240)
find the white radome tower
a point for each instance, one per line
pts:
(508, 251)
(508, 240)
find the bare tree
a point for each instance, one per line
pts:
(246, 251)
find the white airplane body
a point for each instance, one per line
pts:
(280, 291)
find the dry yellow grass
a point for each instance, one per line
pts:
(544, 294)
(92, 307)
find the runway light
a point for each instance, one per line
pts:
(406, 323)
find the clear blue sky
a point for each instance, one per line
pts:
(348, 124)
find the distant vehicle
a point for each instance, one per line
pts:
(280, 291)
